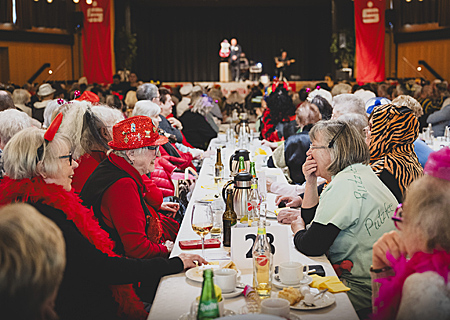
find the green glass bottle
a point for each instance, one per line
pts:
(208, 307)
(253, 170)
(229, 219)
(241, 164)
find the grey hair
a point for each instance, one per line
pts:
(147, 91)
(72, 125)
(410, 102)
(109, 116)
(21, 96)
(123, 153)
(146, 108)
(52, 105)
(359, 121)
(11, 122)
(341, 88)
(348, 103)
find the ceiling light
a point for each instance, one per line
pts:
(76, 1)
(88, 1)
(419, 69)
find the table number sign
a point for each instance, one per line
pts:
(242, 240)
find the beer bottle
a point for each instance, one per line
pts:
(262, 262)
(229, 219)
(208, 307)
(253, 170)
(241, 164)
(218, 167)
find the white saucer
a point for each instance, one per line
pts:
(235, 293)
(280, 285)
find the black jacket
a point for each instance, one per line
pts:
(84, 292)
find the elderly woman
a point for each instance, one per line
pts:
(33, 260)
(21, 98)
(11, 122)
(353, 211)
(392, 132)
(96, 132)
(196, 128)
(418, 287)
(96, 282)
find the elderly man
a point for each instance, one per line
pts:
(46, 93)
(347, 103)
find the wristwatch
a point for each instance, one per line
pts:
(384, 269)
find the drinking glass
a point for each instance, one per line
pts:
(217, 209)
(201, 221)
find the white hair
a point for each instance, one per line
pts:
(72, 125)
(52, 105)
(109, 116)
(146, 108)
(341, 88)
(147, 91)
(347, 103)
(11, 122)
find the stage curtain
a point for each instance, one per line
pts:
(444, 13)
(24, 14)
(419, 12)
(182, 43)
(6, 11)
(58, 14)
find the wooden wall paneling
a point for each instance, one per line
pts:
(435, 52)
(26, 58)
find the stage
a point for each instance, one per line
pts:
(243, 88)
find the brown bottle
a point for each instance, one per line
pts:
(229, 219)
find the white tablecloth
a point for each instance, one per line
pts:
(176, 293)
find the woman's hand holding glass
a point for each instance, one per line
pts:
(391, 242)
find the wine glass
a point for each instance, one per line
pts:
(201, 221)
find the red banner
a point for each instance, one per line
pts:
(97, 49)
(369, 25)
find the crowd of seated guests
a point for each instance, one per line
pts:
(131, 139)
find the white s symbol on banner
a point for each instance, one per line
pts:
(370, 15)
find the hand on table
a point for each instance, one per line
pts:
(190, 259)
(171, 207)
(287, 216)
(298, 224)
(271, 145)
(291, 201)
(196, 153)
(175, 123)
(391, 242)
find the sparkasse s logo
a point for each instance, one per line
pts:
(95, 14)
(370, 14)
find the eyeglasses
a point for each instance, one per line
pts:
(153, 148)
(397, 217)
(316, 147)
(69, 156)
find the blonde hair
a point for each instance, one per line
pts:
(307, 113)
(21, 157)
(427, 205)
(348, 148)
(410, 102)
(33, 257)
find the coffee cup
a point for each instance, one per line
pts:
(225, 279)
(275, 306)
(292, 272)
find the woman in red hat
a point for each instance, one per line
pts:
(97, 281)
(124, 200)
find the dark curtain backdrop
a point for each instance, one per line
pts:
(182, 43)
(5, 11)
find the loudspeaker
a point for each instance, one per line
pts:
(389, 17)
(78, 18)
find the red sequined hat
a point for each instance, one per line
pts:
(89, 96)
(134, 133)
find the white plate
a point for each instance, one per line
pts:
(226, 313)
(280, 285)
(235, 293)
(196, 274)
(326, 300)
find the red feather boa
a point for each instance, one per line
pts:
(35, 190)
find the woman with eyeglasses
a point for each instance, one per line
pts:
(411, 266)
(354, 209)
(97, 282)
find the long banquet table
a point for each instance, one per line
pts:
(176, 293)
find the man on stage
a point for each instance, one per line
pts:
(234, 59)
(282, 64)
